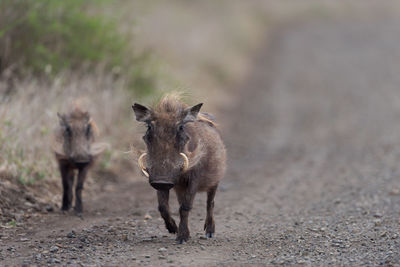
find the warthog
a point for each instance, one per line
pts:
(184, 152)
(75, 149)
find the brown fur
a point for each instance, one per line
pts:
(173, 128)
(73, 146)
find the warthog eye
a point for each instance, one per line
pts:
(181, 135)
(88, 131)
(149, 133)
(67, 131)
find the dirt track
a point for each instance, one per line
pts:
(313, 177)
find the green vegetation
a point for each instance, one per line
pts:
(48, 36)
(12, 223)
(47, 39)
(105, 162)
(16, 157)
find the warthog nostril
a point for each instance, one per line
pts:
(161, 185)
(81, 159)
(81, 165)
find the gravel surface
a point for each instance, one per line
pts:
(313, 177)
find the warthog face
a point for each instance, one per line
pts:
(77, 132)
(165, 139)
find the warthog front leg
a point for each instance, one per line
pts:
(163, 207)
(185, 199)
(209, 225)
(67, 176)
(78, 190)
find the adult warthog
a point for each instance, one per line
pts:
(184, 152)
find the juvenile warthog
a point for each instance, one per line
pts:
(75, 149)
(184, 152)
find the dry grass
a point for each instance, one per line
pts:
(28, 117)
(202, 48)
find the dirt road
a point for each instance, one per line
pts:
(313, 177)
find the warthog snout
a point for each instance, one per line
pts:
(161, 185)
(161, 182)
(81, 159)
(81, 164)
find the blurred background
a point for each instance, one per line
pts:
(110, 54)
(306, 94)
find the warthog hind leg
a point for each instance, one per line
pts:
(209, 225)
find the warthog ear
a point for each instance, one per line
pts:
(191, 113)
(142, 113)
(98, 148)
(63, 120)
(58, 150)
(87, 116)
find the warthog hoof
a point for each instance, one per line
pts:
(65, 208)
(181, 239)
(78, 213)
(209, 227)
(171, 227)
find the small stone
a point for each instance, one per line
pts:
(71, 234)
(53, 260)
(203, 237)
(53, 249)
(394, 192)
(49, 208)
(162, 249)
(147, 216)
(161, 257)
(147, 256)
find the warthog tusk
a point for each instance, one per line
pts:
(185, 161)
(141, 165)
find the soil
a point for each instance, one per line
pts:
(313, 176)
